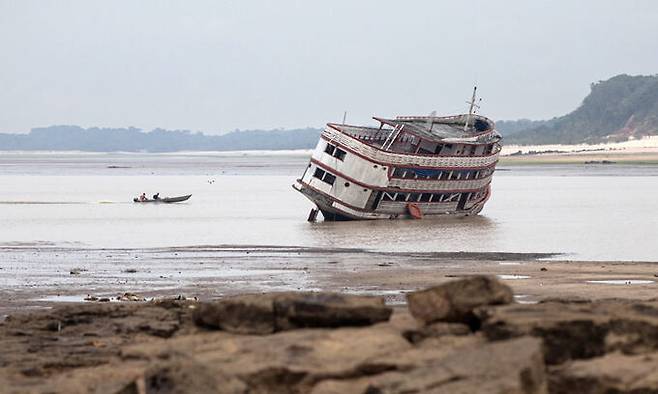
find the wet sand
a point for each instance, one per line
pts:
(41, 276)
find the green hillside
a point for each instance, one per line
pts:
(615, 110)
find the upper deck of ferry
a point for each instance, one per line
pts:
(430, 128)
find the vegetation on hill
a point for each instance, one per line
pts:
(617, 109)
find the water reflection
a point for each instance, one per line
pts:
(429, 234)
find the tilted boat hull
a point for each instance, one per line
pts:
(362, 173)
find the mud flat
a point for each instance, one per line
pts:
(465, 336)
(41, 277)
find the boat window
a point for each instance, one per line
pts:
(425, 197)
(340, 154)
(413, 197)
(329, 178)
(453, 197)
(319, 173)
(398, 172)
(324, 176)
(388, 197)
(401, 197)
(330, 149)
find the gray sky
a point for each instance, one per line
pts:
(220, 65)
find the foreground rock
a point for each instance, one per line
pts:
(330, 343)
(514, 366)
(455, 301)
(612, 373)
(268, 313)
(578, 330)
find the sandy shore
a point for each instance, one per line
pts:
(594, 158)
(37, 276)
(642, 151)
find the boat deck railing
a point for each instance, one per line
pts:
(395, 158)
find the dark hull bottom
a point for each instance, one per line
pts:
(334, 217)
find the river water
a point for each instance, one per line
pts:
(589, 212)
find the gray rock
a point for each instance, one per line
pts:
(514, 366)
(612, 373)
(268, 313)
(245, 314)
(295, 310)
(578, 330)
(435, 330)
(455, 301)
(183, 375)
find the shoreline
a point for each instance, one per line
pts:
(43, 277)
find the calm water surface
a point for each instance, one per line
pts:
(605, 212)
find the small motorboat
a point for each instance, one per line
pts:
(166, 200)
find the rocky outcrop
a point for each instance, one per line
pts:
(467, 369)
(612, 373)
(435, 330)
(265, 314)
(578, 330)
(330, 343)
(183, 375)
(455, 301)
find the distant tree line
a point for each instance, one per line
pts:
(135, 140)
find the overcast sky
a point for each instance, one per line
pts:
(220, 65)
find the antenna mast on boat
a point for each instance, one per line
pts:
(470, 109)
(344, 116)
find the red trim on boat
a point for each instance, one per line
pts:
(414, 211)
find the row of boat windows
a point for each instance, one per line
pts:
(324, 176)
(330, 179)
(429, 174)
(335, 152)
(428, 197)
(456, 149)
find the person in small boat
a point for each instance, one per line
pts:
(142, 197)
(156, 196)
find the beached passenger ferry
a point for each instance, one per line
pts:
(408, 167)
